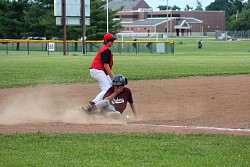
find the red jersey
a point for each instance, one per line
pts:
(120, 101)
(97, 62)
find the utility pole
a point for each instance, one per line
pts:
(83, 25)
(107, 16)
(64, 27)
(236, 19)
(167, 19)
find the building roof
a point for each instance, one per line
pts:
(127, 4)
(156, 21)
(193, 20)
(145, 22)
(182, 24)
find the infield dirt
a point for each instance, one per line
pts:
(218, 104)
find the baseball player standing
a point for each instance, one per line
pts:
(101, 67)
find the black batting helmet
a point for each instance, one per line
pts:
(119, 80)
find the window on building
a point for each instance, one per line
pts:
(126, 16)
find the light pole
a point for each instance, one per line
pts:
(107, 16)
(64, 27)
(171, 30)
(167, 19)
(83, 25)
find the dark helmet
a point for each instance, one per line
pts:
(119, 80)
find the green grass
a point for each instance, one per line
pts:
(104, 149)
(19, 69)
(216, 58)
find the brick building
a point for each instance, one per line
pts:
(137, 16)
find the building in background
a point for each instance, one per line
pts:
(138, 17)
(128, 4)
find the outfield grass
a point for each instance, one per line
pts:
(217, 58)
(127, 149)
(19, 71)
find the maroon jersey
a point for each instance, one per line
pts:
(120, 100)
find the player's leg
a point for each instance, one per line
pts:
(103, 81)
(112, 113)
(103, 104)
(96, 108)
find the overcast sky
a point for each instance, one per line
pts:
(181, 3)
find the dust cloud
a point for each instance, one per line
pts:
(43, 105)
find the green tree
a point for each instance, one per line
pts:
(32, 17)
(244, 17)
(229, 6)
(98, 21)
(240, 20)
(49, 24)
(188, 8)
(164, 7)
(45, 3)
(198, 6)
(176, 7)
(3, 10)
(12, 18)
(40, 21)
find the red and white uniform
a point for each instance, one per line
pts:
(98, 73)
(98, 61)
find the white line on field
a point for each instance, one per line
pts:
(193, 127)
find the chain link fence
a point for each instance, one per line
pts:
(121, 47)
(232, 35)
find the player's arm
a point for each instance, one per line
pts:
(116, 92)
(133, 109)
(109, 71)
(131, 102)
(105, 60)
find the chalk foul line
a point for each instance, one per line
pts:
(192, 127)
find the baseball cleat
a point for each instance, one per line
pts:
(84, 109)
(89, 109)
(91, 103)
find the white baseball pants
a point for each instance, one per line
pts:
(108, 110)
(103, 80)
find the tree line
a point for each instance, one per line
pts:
(20, 19)
(237, 12)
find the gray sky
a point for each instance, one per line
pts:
(181, 3)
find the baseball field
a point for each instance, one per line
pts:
(193, 109)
